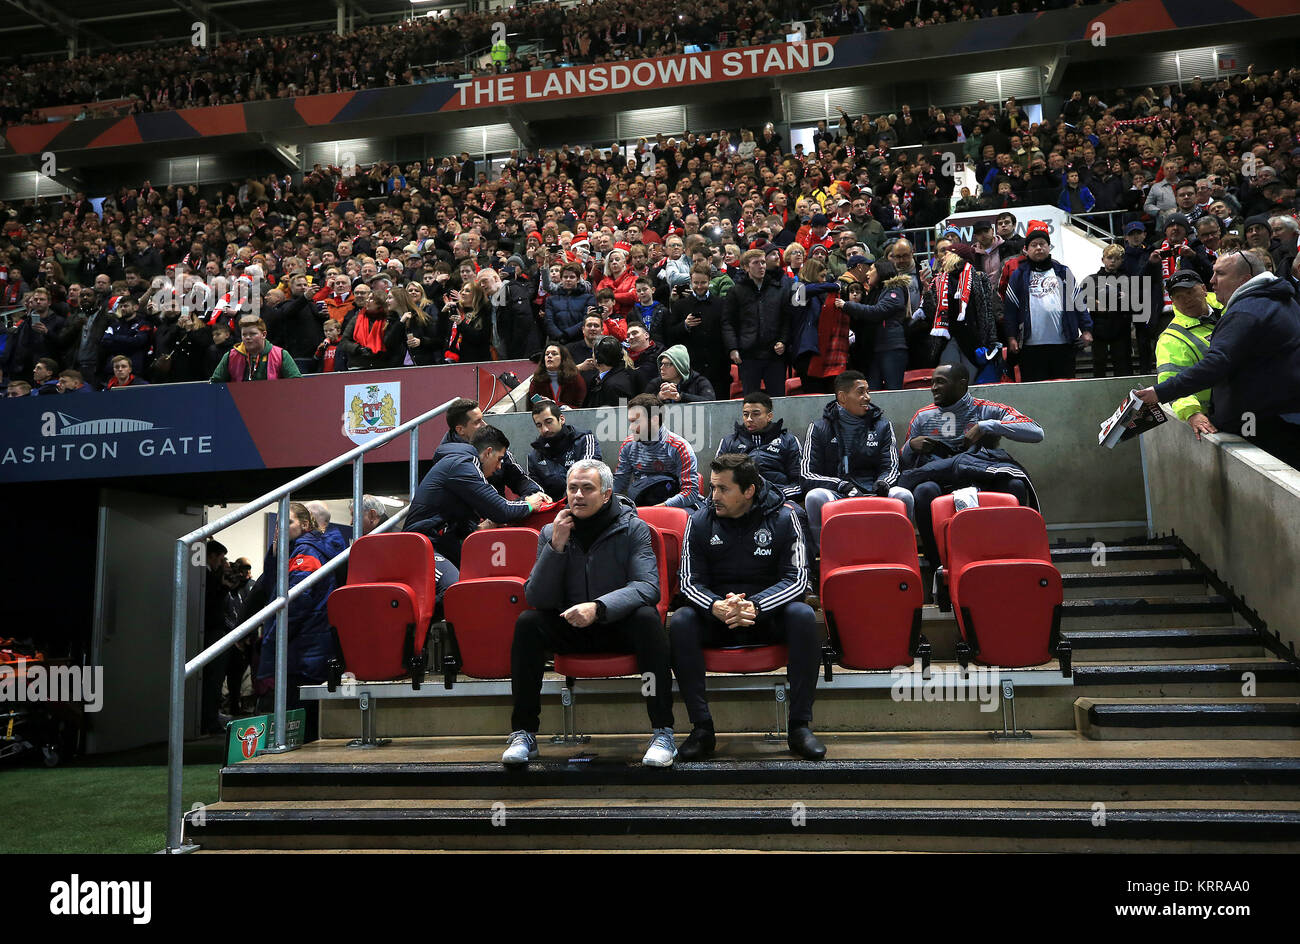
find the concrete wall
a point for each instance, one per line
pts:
(1238, 508)
(1078, 482)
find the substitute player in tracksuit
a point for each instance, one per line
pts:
(744, 572)
(849, 451)
(655, 465)
(776, 452)
(954, 443)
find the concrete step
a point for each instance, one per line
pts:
(1166, 643)
(899, 766)
(1148, 612)
(1117, 584)
(1219, 718)
(1249, 676)
(957, 825)
(1085, 557)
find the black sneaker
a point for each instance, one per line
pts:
(702, 742)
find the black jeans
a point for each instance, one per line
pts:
(538, 632)
(1113, 352)
(768, 372)
(692, 631)
(1047, 362)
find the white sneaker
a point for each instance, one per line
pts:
(520, 749)
(662, 749)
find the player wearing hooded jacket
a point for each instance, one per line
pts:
(849, 451)
(775, 451)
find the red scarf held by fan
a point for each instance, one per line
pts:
(940, 328)
(369, 334)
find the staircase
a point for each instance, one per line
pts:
(1177, 732)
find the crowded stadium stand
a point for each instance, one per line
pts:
(936, 362)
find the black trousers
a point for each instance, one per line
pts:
(693, 630)
(538, 632)
(768, 372)
(1047, 362)
(1113, 352)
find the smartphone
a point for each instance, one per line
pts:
(36, 318)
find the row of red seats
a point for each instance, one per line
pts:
(870, 590)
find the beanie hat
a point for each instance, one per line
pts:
(1037, 229)
(680, 358)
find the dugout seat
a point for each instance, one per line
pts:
(499, 552)
(380, 618)
(942, 511)
(481, 617)
(1006, 592)
(671, 523)
(871, 591)
(848, 506)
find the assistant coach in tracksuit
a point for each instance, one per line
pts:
(744, 572)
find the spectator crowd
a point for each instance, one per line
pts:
(661, 265)
(163, 76)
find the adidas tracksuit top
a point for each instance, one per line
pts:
(761, 555)
(775, 451)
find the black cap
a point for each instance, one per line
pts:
(819, 219)
(981, 224)
(1184, 278)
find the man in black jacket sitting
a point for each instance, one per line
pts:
(593, 589)
(744, 572)
(557, 447)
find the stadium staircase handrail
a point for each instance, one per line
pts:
(190, 553)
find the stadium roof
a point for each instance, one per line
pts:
(43, 27)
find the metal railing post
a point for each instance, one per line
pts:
(358, 491)
(182, 671)
(414, 476)
(176, 723)
(282, 626)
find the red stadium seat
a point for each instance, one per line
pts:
(871, 590)
(918, 379)
(942, 512)
(746, 659)
(481, 618)
(671, 523)
(381, 616)
(793, 386)
(1005, 590)
(848, 506)
(499, 552)
(543, 516)
(595, 665)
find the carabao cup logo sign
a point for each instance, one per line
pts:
(371, 410)
(250, 738)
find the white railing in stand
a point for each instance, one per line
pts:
(190, 548)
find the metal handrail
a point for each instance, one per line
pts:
(189, 546)
(1105, 232)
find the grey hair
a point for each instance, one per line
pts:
(1286, 222)
(594, 465)
(371, 503)
(320, 511)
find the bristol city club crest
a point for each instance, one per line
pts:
(371, 410)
